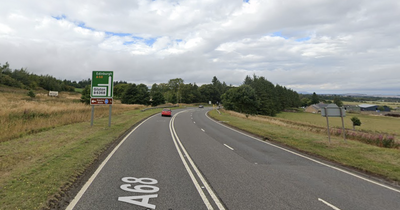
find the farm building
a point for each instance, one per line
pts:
(315, 108)
(372, 107)
(352, 108)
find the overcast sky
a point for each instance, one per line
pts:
(322, 46)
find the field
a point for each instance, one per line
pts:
(369, 123)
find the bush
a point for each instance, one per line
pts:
(31, 94)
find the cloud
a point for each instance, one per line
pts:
(322, 46)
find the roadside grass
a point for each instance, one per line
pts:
(35, 168)
(371, 159)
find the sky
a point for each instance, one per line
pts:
(322, 46)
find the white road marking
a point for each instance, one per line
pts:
(91, 179)
(176, 140)
(328, 204)
(308, 158)
(228, 147)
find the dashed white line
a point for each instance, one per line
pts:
(311, 159)
(228, 147)
(328, 204)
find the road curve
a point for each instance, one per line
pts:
(189, 161)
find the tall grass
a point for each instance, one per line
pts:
(20, 115)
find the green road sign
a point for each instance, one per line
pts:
(102, 84)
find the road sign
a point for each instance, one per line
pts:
(332, 110)
(101, 101)
(102, 84)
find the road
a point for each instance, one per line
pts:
(189, 161)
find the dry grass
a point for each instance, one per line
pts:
(21, 115)
(34, 168)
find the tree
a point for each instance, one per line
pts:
(85, 98)
(31, 94)
(314, 98)
(136, 94)
(156, 95)
(242, 99)
(266, 95)
(209, 93)
(157, 99)
(337, 101)
(119, 90)
(356, 122)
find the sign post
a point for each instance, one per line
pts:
(101, 92)
(332, 110)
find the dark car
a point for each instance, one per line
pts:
(166, 112)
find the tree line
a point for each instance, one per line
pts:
(174, 91)
(259, 96)
(255, 96)
(21, 78)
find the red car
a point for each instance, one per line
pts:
(166, 112)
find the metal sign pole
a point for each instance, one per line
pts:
(91, 121)
(327, 122)
(343, 130)
(109, 117)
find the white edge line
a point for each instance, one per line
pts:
(206, 185)
(308, 158)
(228, 147)
(328, 204)
(91, 179)
(195, 182)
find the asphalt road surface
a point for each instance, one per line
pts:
(189, 161)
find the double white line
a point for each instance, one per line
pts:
(194, 171)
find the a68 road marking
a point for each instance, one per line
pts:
(144, 185)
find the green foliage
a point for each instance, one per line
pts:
(119, 90)
(209, 93)
(85, 98)
(174, 99)
(314, 98)
(157, 99)
(31, 94)
(269, 99)
(23, 79)
(356, 122)
(242, 99)
(156, 95)
(337, 101)
(381, 108)
(136, 94)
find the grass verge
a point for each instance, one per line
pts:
(383, 162)
(36, 168)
